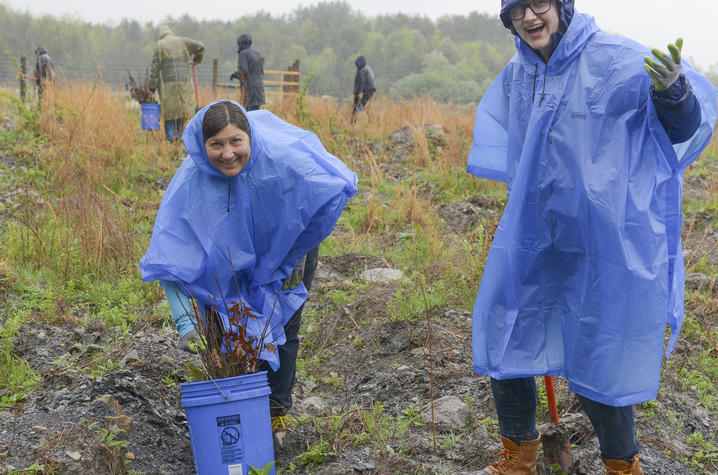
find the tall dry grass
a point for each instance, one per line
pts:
(89, 223)
(85, 226)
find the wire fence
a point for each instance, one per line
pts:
(113, 74)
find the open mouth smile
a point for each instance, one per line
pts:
(535, 30)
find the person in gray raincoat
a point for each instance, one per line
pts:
(250, 73)
(364, 84)
(171, 76)
(44, 71)
(586, 268)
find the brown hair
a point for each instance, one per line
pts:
(220, 115)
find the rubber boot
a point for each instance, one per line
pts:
(515, 459)
(621, 467)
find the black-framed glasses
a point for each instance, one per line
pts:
(536, 6)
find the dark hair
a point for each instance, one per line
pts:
(220, 115)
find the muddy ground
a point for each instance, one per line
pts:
(369, 366)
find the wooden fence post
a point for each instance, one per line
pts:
(215, 68)
(23, 70)
(291, 78)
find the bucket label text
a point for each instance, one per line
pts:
(229, 430)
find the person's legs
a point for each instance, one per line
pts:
(174, 129)
(614, 427)
(365, 97)
(252, 108)
(170, 130)
(516, 401)
(179, 128)
(282, 381)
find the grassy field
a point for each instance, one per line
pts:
(79, 187)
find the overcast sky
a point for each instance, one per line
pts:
(651, 22)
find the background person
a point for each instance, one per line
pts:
(586, 268)
(250, 73)
(264, 192)
(171, 76)
(364, 84)
(44, 70)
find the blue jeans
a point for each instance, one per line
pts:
(281, 382)
(516, 401)
(173, 129)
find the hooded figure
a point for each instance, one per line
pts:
(364, 83)
(171, 77)
(586, 266)
(250, 73)
(260, 222)
(44, 71)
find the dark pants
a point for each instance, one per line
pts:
(365, 97)
(281, 382)
(173, 129)
(252, 108)
(516, 401)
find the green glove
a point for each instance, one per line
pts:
(295, 277)
(192, 342)
(664, 75)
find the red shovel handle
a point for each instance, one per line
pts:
(551, 399)
(196, 91)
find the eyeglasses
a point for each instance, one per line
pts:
(536, 6)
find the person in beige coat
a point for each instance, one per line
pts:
(171, 77)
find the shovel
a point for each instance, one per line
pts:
(196, 90)
(555, 440)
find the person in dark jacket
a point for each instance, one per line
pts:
(250, 73)
(44, 72)
(364, 84)
(585, 270)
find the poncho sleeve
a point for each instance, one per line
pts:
(487, 158)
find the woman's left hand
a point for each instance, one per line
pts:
(295, 277)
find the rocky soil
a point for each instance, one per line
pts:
(375, 374)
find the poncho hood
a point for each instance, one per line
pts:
(194, 144)
(360, 62)
(244, 41)
(164, 30)
(566, 14)
(229, 239)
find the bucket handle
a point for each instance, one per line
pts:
(212, 379)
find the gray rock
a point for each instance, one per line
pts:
(450, 413)
(382, 275)
(130, 358)
(314, 405)
(696, 281)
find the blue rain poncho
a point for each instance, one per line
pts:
(586, 266)
(284, 202)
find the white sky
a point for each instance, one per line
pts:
(651, 22)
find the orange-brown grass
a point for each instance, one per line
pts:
(92, 139)
(94, 143)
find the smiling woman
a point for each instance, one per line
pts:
(226, 136)
(241, 222)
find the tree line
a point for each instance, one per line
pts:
(454, 58)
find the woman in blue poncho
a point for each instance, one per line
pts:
(242, 220)
(586, 267)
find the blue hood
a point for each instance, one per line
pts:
(566, 14)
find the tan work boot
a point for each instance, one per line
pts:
(621, 467)
(515, 459)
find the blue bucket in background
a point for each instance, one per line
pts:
(229, 424)
(150, 116)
